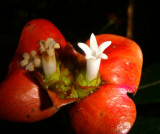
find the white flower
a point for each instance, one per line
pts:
(47, 49)
(30, 61)
(47, 59)
(94, 54)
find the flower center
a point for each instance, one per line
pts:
(64, 77)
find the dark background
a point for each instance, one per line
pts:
(77, 19)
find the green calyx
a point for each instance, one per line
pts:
(64, 83)
(50, 81)
(69, 80)
(61, 82)
(84, 87)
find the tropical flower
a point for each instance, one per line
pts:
(47, 49)
(30, 61)
(46, 60)
(94, 54)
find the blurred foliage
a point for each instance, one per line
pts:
(147, 101)
(77, 19)
(150, 86)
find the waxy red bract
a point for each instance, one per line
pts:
(109, 110)
(22, 99)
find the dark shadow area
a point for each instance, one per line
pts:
(45, 99)
(57, 124)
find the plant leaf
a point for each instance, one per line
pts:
(146, 125)
(149, 89)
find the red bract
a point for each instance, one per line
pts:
(32, 33)
(109, 110)
(103, 107)
(21, 97)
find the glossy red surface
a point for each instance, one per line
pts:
(109, 110)
(21, 98)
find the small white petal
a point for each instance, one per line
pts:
(37, 61)
(50, 41)
(24, 63)
(26, 55)
(30, 67)
(85, 48)
(90, 57)
(93, 43)
(56, 46)
(103, 46)
(33, 53)
(103, 56)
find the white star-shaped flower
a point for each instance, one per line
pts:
(30, 61)
(94, 54)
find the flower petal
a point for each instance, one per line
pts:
(102, 56)
(103, 46)
(93, 43)
(90, 57)
(85, 48)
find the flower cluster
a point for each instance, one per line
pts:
(47, 59)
